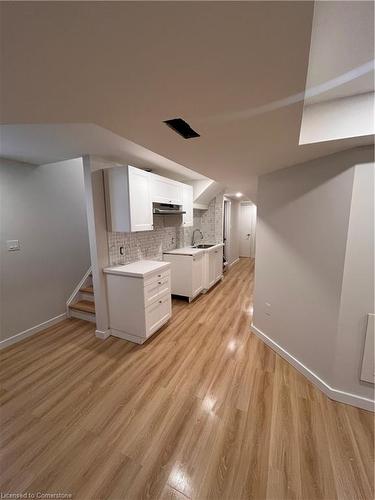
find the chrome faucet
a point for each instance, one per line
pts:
(193, 237)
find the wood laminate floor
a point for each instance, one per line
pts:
(202, 410)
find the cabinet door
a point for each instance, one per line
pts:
(187, 205)
(152, 313)
(140, 200)
(211, 268)
(197, 274)
(165, 190)
(218, 255)
(165, 308)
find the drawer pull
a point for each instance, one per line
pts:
(160, 301)
(159, 275)
(159, 282)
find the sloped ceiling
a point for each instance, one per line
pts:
(127, 66)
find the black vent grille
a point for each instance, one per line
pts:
(182, 128)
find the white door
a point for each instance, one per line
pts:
(139, 200)
(247, 230)
(197, 274)
(187, 205)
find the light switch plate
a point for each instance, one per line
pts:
(13, 245)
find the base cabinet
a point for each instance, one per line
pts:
(187, 272)
(138, 306)
(193, 274)
(213, 267)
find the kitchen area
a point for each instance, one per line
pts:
(159, 245)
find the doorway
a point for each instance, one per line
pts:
(247, 229)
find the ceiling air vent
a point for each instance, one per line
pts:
(181, 127)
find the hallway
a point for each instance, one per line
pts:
(202, 410)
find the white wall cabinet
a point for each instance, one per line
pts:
(165, 190)
(130, 193)
(187, 205)
(128, 199)
(139, 299)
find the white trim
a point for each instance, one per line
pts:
(234, 262)
(128, 336)
(31, 331)
(102, 335)
(77, 291)
(86, 316)
(331, 392)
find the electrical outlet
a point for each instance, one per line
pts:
(267, 309)
(13, 245)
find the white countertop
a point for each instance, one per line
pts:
(139, 269)
(191, 250)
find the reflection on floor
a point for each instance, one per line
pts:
(202, 410)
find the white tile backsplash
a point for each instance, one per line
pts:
(167, 235)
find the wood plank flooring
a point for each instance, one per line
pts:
(203, 410)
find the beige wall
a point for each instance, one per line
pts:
(301, 254)
(43, 207)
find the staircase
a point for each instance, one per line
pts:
(81, 303)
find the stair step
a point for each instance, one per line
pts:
(84, 305)
(87, 289)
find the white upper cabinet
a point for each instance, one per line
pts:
(187, 205)
(128, 199)
(165, 190)
(141, 217)
(130, 193)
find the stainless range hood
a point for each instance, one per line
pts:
(167, 209)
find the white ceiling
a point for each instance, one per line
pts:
(49, 143)
(127, 66)
(342, 42)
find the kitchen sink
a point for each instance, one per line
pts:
(204, 246)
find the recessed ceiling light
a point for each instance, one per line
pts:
(238, 195)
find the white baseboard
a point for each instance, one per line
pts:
(127, 336)
(234, 262)
(102, 335)
(331, 392)
(32, 331)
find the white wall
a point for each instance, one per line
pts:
(351, 116)
(97, 230)
(44, 208)
(357, 292)
(302, 231)
(232, 251)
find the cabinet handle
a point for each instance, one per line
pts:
(159, 275)
(159, 301)
(159, 282)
